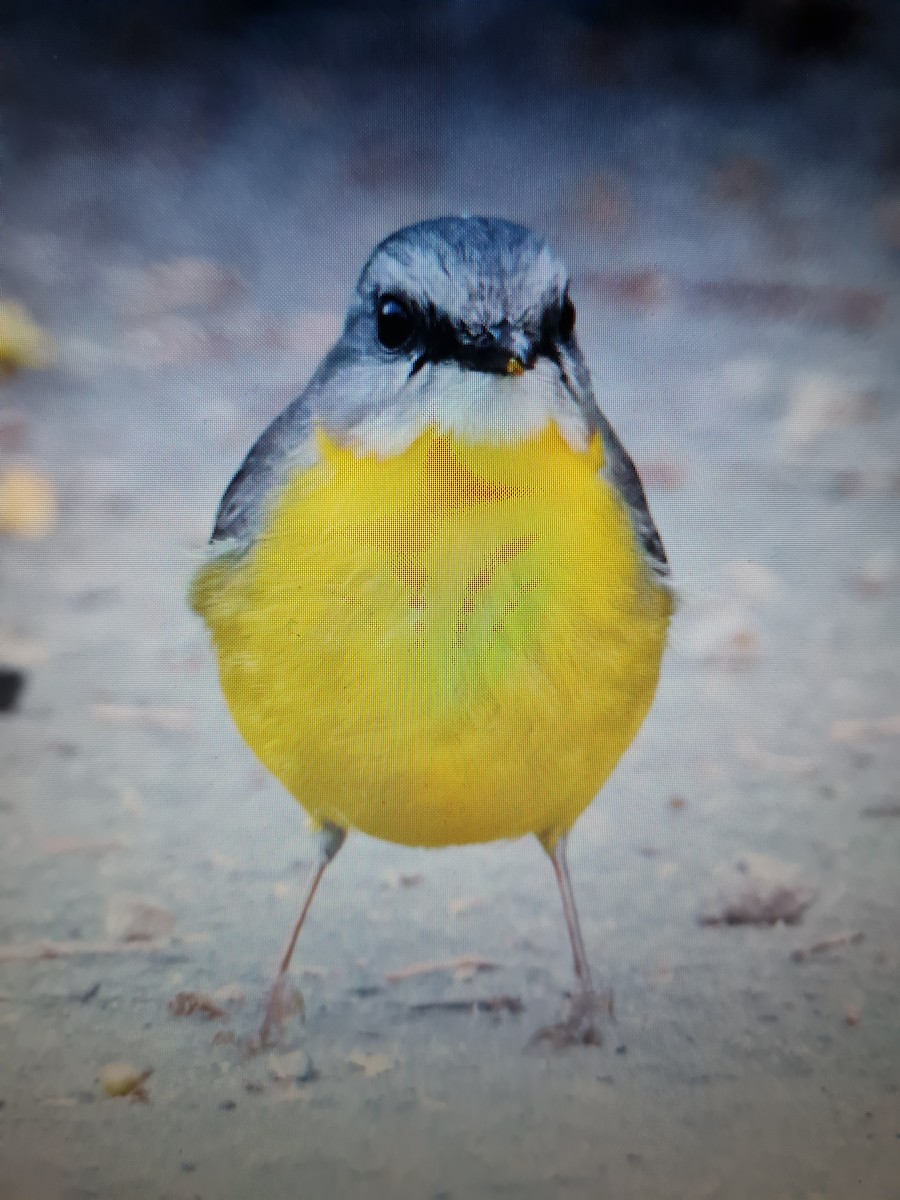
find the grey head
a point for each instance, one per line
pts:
(464, 324)
(485, 295)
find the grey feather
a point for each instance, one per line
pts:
(286, 445)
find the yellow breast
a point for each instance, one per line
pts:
(454, 644)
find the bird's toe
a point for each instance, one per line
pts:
(586, 1012)
(284, 1003)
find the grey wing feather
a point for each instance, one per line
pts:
(286, 445)
(622, 473)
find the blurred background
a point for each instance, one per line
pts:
(189, 190)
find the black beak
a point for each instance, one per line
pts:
(501, 350)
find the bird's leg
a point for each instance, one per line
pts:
(585, 1004)
(283, 1000)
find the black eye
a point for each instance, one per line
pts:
(566, 319)
(395, 323)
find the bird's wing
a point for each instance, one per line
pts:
(622, 474)
(286, 446)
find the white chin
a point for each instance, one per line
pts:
(475, 405)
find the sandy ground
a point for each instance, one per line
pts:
(768, 426)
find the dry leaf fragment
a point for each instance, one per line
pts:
(399, 879)
(831, 943)
(186, 1004)
(756, 890)
(43, 951)
(453, 965)
(27, 503)
(851, 308)
(852, 1014)
(641, 289)
(123, 1079)
(135, 919)
(465, 904)
(22, 342)
(749, 751)
(372, 1064)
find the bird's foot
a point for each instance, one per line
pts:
(284, 1002)
(579, 1027)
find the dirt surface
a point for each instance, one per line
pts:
(189, 235)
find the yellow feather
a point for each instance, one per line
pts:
(453, 644)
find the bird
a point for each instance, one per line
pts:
(437, 598)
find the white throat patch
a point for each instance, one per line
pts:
(475, 405)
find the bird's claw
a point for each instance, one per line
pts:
(284, 1002)
(579, 1025)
